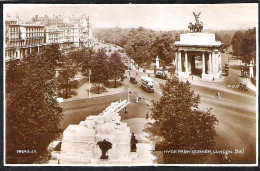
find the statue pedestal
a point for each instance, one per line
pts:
(104, 157)
(103, 161)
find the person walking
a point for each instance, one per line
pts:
(147, 115)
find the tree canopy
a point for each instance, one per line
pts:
(32, 113)
(237, 43)
(117, 68)
(142, 45)
(181, 124)
(249, 45)
(99, 68)
(244, 45)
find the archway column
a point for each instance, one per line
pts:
(216, 62)
(203, 62)
(186, 62)
(180, 64)
(210, 63)
(176, 61)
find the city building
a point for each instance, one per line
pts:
(22, 39)
(69, 32)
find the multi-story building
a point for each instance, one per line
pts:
(48, 21)
(23, 39)
(53, 34)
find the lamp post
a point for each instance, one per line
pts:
(89, 74)
(128, 95)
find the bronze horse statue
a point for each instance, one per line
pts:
(198, 26)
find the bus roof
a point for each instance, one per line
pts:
(146, 78)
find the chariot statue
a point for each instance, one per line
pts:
(198, 26)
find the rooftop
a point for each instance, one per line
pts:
(197, 39)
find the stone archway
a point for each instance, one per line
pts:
(195, 60)
(198, 54)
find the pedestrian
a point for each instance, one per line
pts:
(192, 78)
(147, 115)
(134, 141)
(126, 110)
(136, 74)
(213, 79)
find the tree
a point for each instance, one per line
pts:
(66, 75)
(249, 45)
(99, 68)
(163, 48)
(181, 124)
(32, 113)
(237, 43)
(117, 68)
(226, 40)
(88, 56)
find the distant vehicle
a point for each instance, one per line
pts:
(243, 87)
(217, 94)
(226, 65)
(147, 84)
(160, 74)
(133, 80)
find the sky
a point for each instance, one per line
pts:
(157, 16)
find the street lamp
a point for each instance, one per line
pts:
(89, 74)
(128, 95)
(128, 63)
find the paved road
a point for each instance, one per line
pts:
(235, 110)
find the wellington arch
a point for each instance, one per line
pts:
(198, 53)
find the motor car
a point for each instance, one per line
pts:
(133, 80)
(243, 86)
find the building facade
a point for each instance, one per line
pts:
(23, 39)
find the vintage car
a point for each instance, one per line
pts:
(243, 87)
(133, 80)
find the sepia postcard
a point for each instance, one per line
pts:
(130, 84)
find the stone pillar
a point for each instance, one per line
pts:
(180, 65)
(157, 62)
(176, 61)
(210, 63)
(38, 49)
(251, 71)
(203, 63)
(186, 62)
(220, 62)
(215, 63)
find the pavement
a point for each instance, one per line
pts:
(82, 92)
(235, 109)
